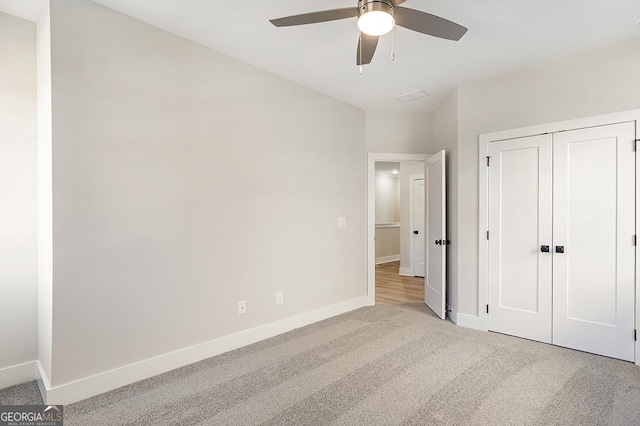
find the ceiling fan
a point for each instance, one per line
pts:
(376, 18)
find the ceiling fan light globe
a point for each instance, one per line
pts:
(376, 23)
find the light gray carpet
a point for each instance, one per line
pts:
(26, 394)
(383, 365)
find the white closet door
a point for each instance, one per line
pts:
(520, 214)
(594, 225)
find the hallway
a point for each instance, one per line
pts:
(394, 289)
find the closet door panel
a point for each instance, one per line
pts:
(520, 214)
(594, 224)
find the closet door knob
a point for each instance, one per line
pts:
(544, 249)
(559, 249)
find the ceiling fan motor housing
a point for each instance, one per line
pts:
(365, 6)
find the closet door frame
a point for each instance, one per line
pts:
(483, 198)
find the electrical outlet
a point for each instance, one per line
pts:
(279, 298)
(242, 307)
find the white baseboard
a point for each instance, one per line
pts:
(43, 381)
(387, 259)
(17, 374)
(467, 321)
(122, 376)
(406, 272)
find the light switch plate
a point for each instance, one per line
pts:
(342, 222)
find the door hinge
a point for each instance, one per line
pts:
(635, 144)
(635, 335)
(487, 235)
(487, 308)
(635, 240)
(488, 161)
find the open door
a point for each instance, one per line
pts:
(435, 284)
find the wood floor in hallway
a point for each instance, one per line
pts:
(394, 289)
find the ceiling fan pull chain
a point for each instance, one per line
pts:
(360, 52)
(393, 46)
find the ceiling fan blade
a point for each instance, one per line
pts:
(315, 17)
(398, 2)
(427, 23)
(366, 48)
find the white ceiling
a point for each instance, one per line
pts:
(25, 9)
(503, 35)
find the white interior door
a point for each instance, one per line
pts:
(418, 219)
(520, 237)
(594, 227)
(435, 293)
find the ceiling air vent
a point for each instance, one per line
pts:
(412, 96)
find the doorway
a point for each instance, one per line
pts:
(399, 226)
(421, 189)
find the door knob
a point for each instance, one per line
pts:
(559, 249)
(544, 249)
(438, 242)
(416, 232)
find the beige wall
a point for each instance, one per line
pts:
(600, 81)
(387, 211)
(387, 242)
(185, 181)
(18, 223)
(399, 132)
(387, 198)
